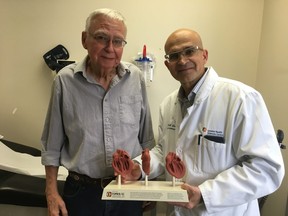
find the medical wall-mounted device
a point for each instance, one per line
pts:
(146, 63)
(56, 58)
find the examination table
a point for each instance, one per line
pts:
(22, 178)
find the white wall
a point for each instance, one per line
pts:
(30, 28)
(230, 29)
(272, 81)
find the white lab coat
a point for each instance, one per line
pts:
(245, 161)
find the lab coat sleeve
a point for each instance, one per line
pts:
(260, 170)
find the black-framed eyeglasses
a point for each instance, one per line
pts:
(104, 40)
(187, 53)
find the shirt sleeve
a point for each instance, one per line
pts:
(53, 133)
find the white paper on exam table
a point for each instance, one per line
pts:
(26, 164)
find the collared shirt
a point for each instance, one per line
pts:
(186, 102)
(85, 124)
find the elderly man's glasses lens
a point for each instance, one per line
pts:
(105, 40)
(188, 52)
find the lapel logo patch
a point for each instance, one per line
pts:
(213, 135)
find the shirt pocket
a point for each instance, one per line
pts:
(130, 109)
(212, 156)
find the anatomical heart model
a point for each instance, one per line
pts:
(175, 166)
(146, 164)
(122, 163)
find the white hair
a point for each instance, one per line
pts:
(113, 14)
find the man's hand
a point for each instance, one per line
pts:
(56, 205)
(194, 197)
(134, 175)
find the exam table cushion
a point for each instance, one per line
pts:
(16, 158)
(22, 177)
(21, 148)
(18, 189)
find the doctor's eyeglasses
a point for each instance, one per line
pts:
(187, 53)
(105, 40)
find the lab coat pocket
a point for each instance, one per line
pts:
(211, 156)
(130, 109)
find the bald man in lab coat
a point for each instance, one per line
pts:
(221, 130)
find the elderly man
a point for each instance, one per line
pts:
(96, 107)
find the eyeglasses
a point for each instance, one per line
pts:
(187, 53)
(104, 40)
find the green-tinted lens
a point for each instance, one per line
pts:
(173, 56)
(189, 52)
